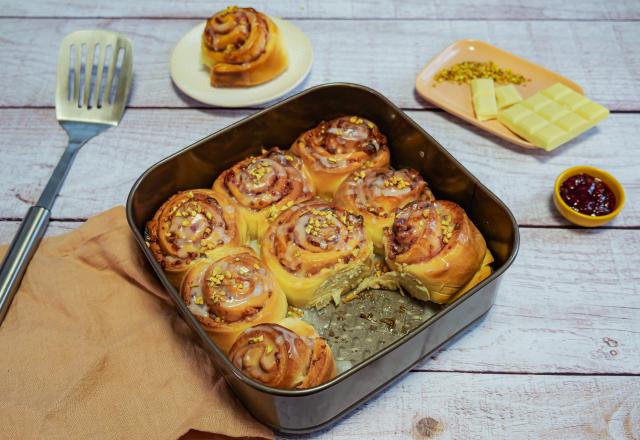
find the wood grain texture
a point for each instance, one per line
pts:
(561, 308)
(565, 328)
(575, 315)
(607, 66)
(106, 168)
(336, 9)
(9, 228)
(447, 406)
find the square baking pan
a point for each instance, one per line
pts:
(397, 348)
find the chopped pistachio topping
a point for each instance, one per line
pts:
(216, 296)
(395, 181)
(259, 171)
(316, 224)
(467, 71)
(256, 339)
(216, 279)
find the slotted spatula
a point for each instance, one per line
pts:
(93, 83)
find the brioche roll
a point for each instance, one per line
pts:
(376, 193)
(231, 292)
(435, 249)
(334, 149)
(262, 187)
(317, 252)
(189, 226)
(288, 355)
(242, 47)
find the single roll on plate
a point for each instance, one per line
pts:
(317, 252)
(242, 47)
(334, 149)
(191, 225)
(231, 292)
(262, 187)
(436, 250)
(287, 355)
(376, 193)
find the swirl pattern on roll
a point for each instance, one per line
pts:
(311, 242)
(281, 358)
(336, 148)
(242, 47)
(231, 292)
(190, 225)
(264, 186)
(376, 193)
(437, 246)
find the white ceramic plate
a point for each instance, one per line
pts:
(192, 77)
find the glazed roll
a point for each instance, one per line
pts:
(189, 226)
(231, 292)
(317, 252)
(336, 148)
(288, 355)
(262, 187)
(376, 193)
(242, 47)
(435, 249)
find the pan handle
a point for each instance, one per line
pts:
(19, 254)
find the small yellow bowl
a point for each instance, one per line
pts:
(577, 218)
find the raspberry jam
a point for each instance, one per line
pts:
(588, 195)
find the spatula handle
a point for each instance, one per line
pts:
(20, 252)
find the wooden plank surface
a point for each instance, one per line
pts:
(370, 52)
(558, 356)
(32, 141)
(337, 9)
(447, 406)
(579, 317)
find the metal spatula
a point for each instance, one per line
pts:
(94, 79)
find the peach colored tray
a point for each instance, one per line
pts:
(456, 98)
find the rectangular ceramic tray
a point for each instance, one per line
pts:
(375, 362)
(456, 98)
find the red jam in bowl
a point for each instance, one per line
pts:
(588, 195)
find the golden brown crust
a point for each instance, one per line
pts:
(435, 248)
(189, 226)
(262, 187)
(336, 148)
(242, 47)
(376, 193)
(278, 357)
(231, 292)
(313, 242)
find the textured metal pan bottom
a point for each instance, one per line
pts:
(362, 327)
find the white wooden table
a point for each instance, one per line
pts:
(558, 356)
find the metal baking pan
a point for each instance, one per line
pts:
(372, 362)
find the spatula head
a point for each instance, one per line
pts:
(95, 69)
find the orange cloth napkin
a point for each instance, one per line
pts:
(93, 348)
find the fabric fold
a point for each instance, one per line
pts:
(93, 348)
